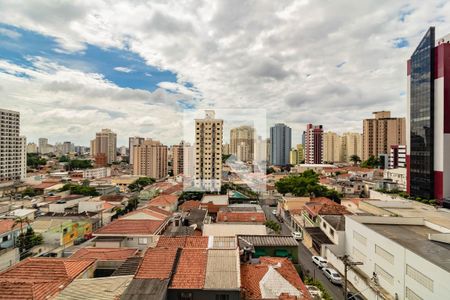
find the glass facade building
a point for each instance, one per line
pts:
(422, 118)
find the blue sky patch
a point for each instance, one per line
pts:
(124, 68)
(400, 42)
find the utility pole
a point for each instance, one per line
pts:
(348, 264)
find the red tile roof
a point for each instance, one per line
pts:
(247, 217)
(157, 263)
(6, 225)
(173, 189)
(183, 242)
(325, 206)
(40, 278)
(152, 211)
(191, 269)
(189, 204)
(125, 226)
(251, 275)
(105, 253)
(163, 200)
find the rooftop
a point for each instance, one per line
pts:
(147, 213)
(241, 217)
(191, 269)
(131, 227)
(6, 225)
(337, 222)
(226, 229)
(189, 204)
(267, 240)
(183, 242)
(157, 263)
(163, 200)
(105, 253)
(216, 199)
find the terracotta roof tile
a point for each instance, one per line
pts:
(183, 242)
(258, 217)
(7, 224)
(189, 204)
(191, 269)
(163, 200)
(124, 226)
(26, 290)
(105, 253)
(157, 263)
(152, 211)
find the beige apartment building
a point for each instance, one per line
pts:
(178, 159)
(332, 147)
(105, 143)
(150, 159)
(351, 145)
(208, 152)
(296, 155)
(242, 141)
(381, 132)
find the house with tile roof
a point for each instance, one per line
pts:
(241, 213)
(272, 278)
(147, 213)
(8, 232)
(42, 278)
(166, 202)
(130, 233)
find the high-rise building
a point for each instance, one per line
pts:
(32, 148)
(226, 149)
(123, 151)
(134, 141)
(67, 147)
(381, 132)
(428, 113)
(178, 159)
(332, 147)
(242, 140)
(188, 160)
(106, 143)
(314, 144)
(397, 157)
(351, 145)
(43, 145)
(13, 147)
(208, 152)
(296, 155)
(150, 159)
(280, 144)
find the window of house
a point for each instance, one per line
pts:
(142, 241)
(222, 297)
(420, 277)
(5, 238)
(186, 296)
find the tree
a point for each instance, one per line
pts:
(355, 159)
(140, 183)
(64, 158)
(34, 161)
(371, 162)
(28, 240)
(75, 164)
(29, 191)
(273, 225)
(80, 189)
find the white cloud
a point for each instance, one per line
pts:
(277, 55)
(10, 33)
(123, 69)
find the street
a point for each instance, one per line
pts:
(304, 257)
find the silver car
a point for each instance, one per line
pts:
(332, 275)
(320, 261)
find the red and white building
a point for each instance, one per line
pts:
(397, 157)
(314, 144)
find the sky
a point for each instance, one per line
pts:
(74, 67)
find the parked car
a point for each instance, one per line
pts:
(274, 212)
(314, 291)
(320, 261)
(332, 275)
(297, 235)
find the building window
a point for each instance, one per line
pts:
(384, 274)
(222, 297)
(185, 296)
(419, 277)
(384, 254)
(359, 238)
(410, 295)
(142, 241)
(358, 255)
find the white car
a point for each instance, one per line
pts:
(274, 212)
(297, 235)
(314, 291)
(332, 275)
(320, 261)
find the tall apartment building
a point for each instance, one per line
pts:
(280, 144)
(226, 149)
(314, 144)
(178, 159)
(208, 152)
(106, 143)
(351, 145)
(44, 146)
(332, 147)
(67, 147)
(381, 132)
(397, 157)
(134, 141)
(260, 154)
(296, 155)
(13, 147)
(32, 148)
(150, 159)
(242, 140)
(428, 113)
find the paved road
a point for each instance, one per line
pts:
(304, 257)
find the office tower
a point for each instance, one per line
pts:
(296, 155)
(428, 113)
(351, 145)
(43, 145)
(397, 157)
(314, 144)
(280, 144)
(208, 152)
(32, 148)
(242, 140)
(381, 132)
(150, 159)
(106, 143)
(134, 141)
(178, 159)
(332, 147)
(80, 149)
(13, 149)
(67, 147)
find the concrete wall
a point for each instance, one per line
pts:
(8, 258)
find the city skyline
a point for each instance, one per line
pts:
(79, 78)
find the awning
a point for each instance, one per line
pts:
(259, 252)
(281, 253)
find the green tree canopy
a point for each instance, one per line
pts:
(80, 189)
(371, 162)
(34, 160)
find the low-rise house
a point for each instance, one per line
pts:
(224, 229)
(166, 202)
(397, 176)
(256, 246)
(148, 213)
(272, 278)
(321, 206)
(130, 233)
(28, 213)
(287, 204)
(124, 181)
(67, 203)
(42, 278)
(241, 213)
(9, 231)
(334, 227)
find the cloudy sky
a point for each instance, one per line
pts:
(74, 67)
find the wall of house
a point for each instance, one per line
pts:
(7, 239)
(8, 258)
(202, 294)
(270, 251)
